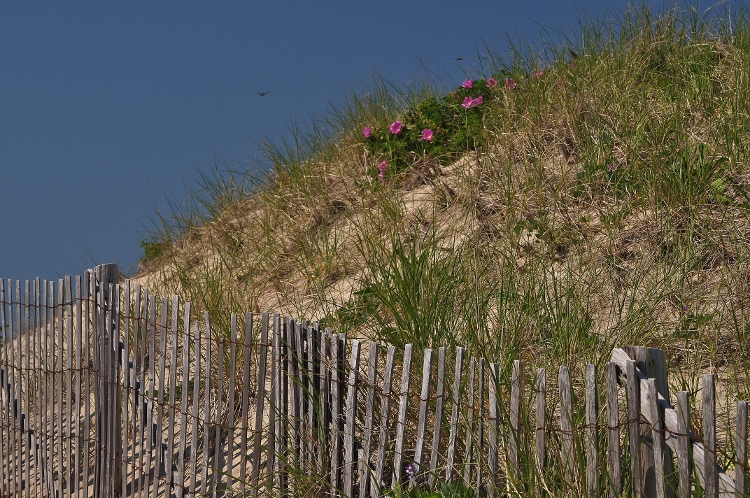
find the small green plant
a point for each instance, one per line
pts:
(438, 128)
(153, 250)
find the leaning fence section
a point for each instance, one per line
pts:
(106, 390)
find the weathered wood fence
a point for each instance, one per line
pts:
(105, 391)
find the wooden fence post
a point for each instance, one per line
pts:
(108, 409)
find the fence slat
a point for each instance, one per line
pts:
(613, 433)
(566, 427)
(684, 462)
(385, 404)
(206, 403)
(351, 417)
(711, 484)
(172, 393)
(185, 374)
(247, 345)
(158, 460)
(469, 440)
(401, 421)
(516, 390)
(480, 424)
(336, 395)
(657, 435)
(457, 377)
(540, 424)
(740, 444)
(634, 417)
(439, 404)
(259, 398)
(364, 459)
(494, 422)
(424, 399)
(197, 345)
(231, 401)
(592, 411)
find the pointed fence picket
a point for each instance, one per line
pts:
(107, 391)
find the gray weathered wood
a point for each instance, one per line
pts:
(336, 395)
(711, 485)
(127, 385)
(726, 485)
(566, 427)
(457, 377)
(247, 350)
(148, 404)
(634, 432)
(231, 408)
(684, 462)
(161, 373)
(172, 404)
(439, 404)
(277, 415)
(185, 380)
(480, 425)
(591, 441)
(657, 435)
(424, 399)
(109, 421)
(516, 391)
(740, 445)
(540, 411)
(493, 420)
(197, 355)
(68, 313)
(613, 433)
(385, 405)
(401, 420)
(89, 282)
(469, 440)
(364, 458)
(207, 386)
(259, 399)
(351, 417)
(217, 474)
(270, 446)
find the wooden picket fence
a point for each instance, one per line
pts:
(105, 391)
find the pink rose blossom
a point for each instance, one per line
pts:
(537, 74)
(381, 170)
(367, 132)
(467, 102)
(510, 83)
(491, 82)
(475, 102)
(396, 127)
(427, 135)
(468, 84)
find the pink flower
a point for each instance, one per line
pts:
(396, 127)
(367, 132)
(537, 74)
(468, 84)
(381, 170)
(427, 135)
(491, 82)
(510, 83)
(477, 101)
(467, 102)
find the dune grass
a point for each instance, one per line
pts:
(596, 197)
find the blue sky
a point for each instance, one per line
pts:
(108, 108)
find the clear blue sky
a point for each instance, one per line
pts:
(107, 107)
